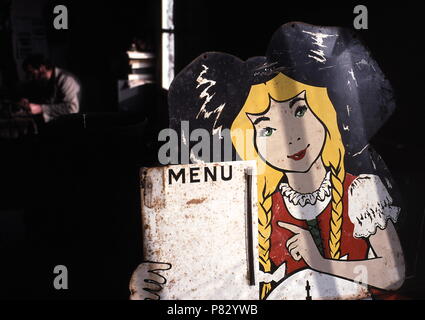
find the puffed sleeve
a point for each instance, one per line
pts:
(370, 205)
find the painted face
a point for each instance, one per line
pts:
(288, 136)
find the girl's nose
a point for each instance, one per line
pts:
(298, 139)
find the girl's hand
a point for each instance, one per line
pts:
(146, 281)
(302, 246)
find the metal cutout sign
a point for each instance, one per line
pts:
(305, 113)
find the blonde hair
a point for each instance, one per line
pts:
(282, 88)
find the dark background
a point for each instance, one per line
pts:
(71, 195)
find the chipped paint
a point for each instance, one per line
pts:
(373, 163)
(349, 84)
(320, 56)
(328, 67)
(194, 159)
(196, 201)
(361, 151)
(351, 72)
(364, 62)
(184, 140)
(319, 37)
(388, 183)
(201, 80)
(318, 40)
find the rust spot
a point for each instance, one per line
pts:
(196, 201)
(163, 177)
(158, 203)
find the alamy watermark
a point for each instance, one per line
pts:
(361, 20)
(202, 146)
(60, 282)
(61, 19)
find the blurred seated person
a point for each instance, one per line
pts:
(51, 92)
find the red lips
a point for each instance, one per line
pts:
(299, 155)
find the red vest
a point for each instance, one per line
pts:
(355, 248)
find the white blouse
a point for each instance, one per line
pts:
(369, 203)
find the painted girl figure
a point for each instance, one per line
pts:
(306, 111)
(320, 227)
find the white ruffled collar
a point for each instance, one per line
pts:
(302, 199)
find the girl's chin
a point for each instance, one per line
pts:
(301, 168)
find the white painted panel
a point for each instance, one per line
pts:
(199, 226)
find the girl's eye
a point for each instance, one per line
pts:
(267, 132)
(299, 112)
